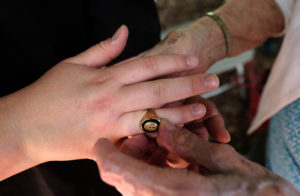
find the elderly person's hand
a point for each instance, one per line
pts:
(217, 169)
(193, 40)
(204, 37)
(78, 101)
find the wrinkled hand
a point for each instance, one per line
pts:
(196, 40)
(61, 116)
(222, 171)
(181, 42)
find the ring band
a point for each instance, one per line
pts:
(150, 122)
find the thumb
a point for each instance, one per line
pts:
(104, 52)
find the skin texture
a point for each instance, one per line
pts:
(223, 171)
(205, 39)
(62, 115)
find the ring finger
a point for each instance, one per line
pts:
(177, 115)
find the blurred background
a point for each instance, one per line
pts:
(243, 82)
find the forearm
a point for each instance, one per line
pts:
(250, 23)
(13, 158)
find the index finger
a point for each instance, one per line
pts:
(146, 68)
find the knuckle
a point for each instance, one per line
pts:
(178, 61)
(151, 64)
(194, 84)
(229, 149)
(185, 140)
(102, 45)
(221, 152)
(104, 76)
(173, 36)
(158, 90)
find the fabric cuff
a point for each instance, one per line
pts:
(287, 8)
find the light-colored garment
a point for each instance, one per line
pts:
(283, 149)
(283, 86)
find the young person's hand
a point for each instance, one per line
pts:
(78, 101)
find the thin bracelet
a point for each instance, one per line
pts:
(224, 30)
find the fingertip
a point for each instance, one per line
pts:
(103, 52)
(227, 137)
(120, 35)
(192, 61)
(224, 137)
(211, 81)
(198, 109)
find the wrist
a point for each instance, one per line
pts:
(210, 38)
(14, 156)
(250, 23)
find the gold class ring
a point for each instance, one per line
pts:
(150, 122)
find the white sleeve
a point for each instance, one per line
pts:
(287, 8)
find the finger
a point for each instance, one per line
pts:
(130, 122)
(216, 128)
(174, 104)
(104, 52)
(156, 93)
(200, 131)
(143, 69)
(215, 157)
(213, 120)
(211, 109)
(138, 146)
(182, 114)
(134, 177)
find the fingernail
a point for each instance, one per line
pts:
(198, 109)
(117, 33)
(211, 81)
(192, 61)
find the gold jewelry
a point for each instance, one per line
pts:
(224, 30)
(150, 122)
